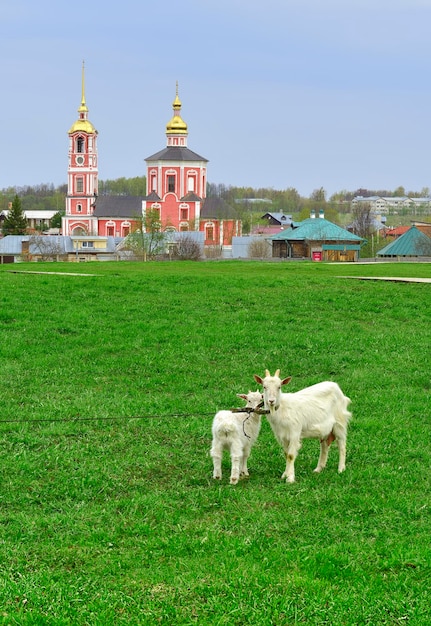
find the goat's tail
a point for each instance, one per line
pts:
(343, 414)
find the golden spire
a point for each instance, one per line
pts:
(83, 123)
(176, 126)
(83, 106)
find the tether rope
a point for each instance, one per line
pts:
(98, 419)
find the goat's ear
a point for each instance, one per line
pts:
(286, 381)
(258, 379)
(242, 395)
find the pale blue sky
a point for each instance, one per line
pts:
(281, 93)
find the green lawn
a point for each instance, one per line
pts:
(110, 380)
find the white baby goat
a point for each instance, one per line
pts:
(236, 432)
(319, 412)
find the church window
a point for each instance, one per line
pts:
(184, 214)
(209, 232)
(171, 183)
(110, 231)
(79, 185)
(80, 144)
(79, 208)
(191, 183)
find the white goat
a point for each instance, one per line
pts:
(236, 432)
(319, 412)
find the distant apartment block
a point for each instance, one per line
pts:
(382, 205)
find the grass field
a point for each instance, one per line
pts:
(109, 382)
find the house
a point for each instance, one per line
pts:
(413, 243)
(37, 220)
(15, 248)
(277, 219)
(317, 239)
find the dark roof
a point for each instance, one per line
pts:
(176, 153)
(277, 218)
(191, 196)
(217, 208)
(153, 197)
(412, 243)
(119, 206)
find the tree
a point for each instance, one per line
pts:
(46, 248)
(147, 240)
(15, 223)
(363, 219)
(56, 219)
(187, 249)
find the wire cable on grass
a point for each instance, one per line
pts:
(99, 419)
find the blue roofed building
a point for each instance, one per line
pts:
(317, 239)
(413, 243)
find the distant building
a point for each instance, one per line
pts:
(316, 239)
(413, 243)
(176, 189)
(393, 204)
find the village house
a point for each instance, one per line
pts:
(316, 239)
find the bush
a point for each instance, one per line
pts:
(258, 249)
(187, 249)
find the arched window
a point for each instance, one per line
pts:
(80, 144)
(171, 183)
(209, 232)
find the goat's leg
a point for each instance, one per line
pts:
(236, 457)
(243, 470)
(342, 454)
(324, 449)
(341, 434)
(216, 453)
(291, 452)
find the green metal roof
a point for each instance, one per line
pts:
(412, 243)
(316, 229)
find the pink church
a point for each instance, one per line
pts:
(176, 189)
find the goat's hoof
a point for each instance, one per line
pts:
(290, 479)
(217, 477)
(233, 481)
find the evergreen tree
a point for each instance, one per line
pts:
(15, 223)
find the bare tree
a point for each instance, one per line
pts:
(363, 220)
(46, 248)
(187, 249)
(259, 249)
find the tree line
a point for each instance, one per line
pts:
(289, 200)
(247, 202)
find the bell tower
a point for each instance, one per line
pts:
(82, 174)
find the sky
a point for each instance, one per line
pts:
(279, 94)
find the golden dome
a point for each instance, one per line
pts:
(176, 126)
(83, 124)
